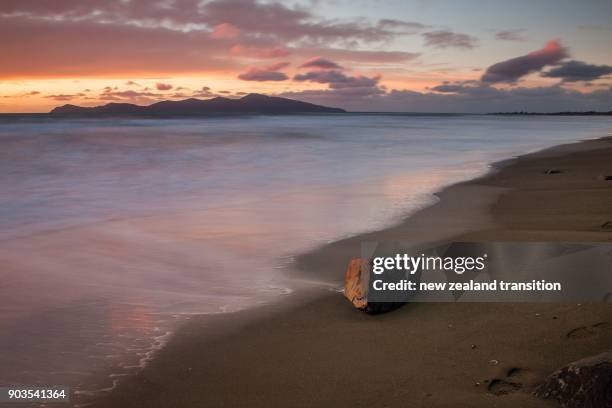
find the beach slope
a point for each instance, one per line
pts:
(315, 350)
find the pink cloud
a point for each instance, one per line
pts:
(268, 73)
(163, 87)
(513, 69)
(339, 80)
(321, 63)
(255, 74)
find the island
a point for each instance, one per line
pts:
(252, 103)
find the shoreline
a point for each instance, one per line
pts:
(481, 192)
(313, 348)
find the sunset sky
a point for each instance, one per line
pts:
(411, 56)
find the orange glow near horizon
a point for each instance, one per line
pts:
(42, 95)
(401, 57)
(37, 95)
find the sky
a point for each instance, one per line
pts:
(398, 56)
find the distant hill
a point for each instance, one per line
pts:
(585, 113)
(251, 103)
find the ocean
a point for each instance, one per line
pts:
(114, 231)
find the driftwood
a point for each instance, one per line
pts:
(356, 285)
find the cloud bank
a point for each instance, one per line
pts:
(477, 99)
(177, 36)
(573, 71)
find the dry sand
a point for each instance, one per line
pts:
(315, 350)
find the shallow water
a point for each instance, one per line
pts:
(113, 231)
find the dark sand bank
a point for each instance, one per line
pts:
(315, 350)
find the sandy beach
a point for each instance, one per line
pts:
(314, 349)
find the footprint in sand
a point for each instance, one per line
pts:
(585, 332)
(502, 387)
(507, 385)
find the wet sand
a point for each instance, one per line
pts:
(315, 350)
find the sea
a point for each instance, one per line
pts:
(113, 232)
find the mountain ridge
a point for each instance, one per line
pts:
(252, 103)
